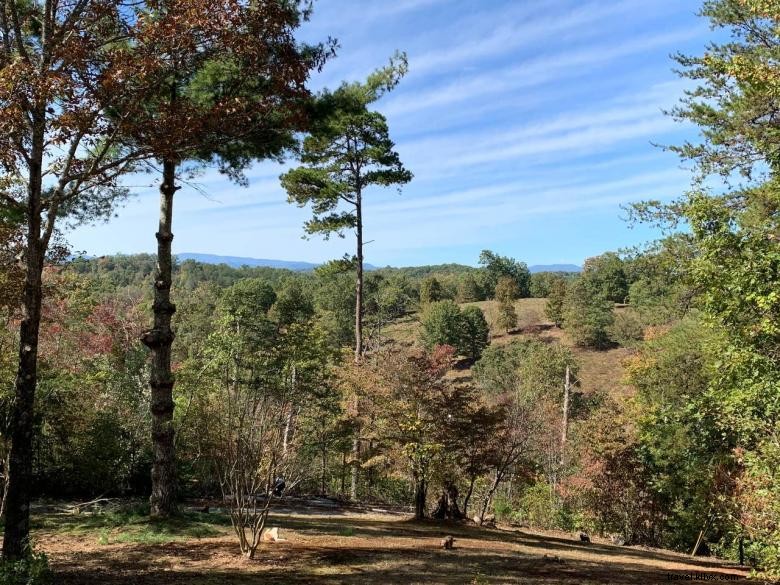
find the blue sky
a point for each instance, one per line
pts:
(527, 124)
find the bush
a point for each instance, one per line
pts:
(441, 325)
(627, 329)
(445, 324)
(431, 291)
(555, 301)
(587, 315)
(31, 570)
(507, 316)
(468, 290)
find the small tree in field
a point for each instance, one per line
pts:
(554, 307)
(249, 457)
(506, 293)
(587, 315)
(260, 377)
(474, 332)
(431, 291)
(467, 331)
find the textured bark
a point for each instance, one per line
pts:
(159, 340)
(17, 502)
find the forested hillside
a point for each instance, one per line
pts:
(571, 420)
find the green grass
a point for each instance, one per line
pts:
(131, 524)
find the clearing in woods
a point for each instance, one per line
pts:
(336, 546)
(332, 545)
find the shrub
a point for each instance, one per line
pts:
(555, 301)
(31, 570)
(475, 332)
(587, 315)
(444, 323)
(431, 291)
(468, 290)
(627, 329)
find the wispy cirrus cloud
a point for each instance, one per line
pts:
(527, 125)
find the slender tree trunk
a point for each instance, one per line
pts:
(323, 470)
(467, 499)
(420, 496)
(159, 341)
(489, 496)
(359, 280)
(17, 504)
(343, 473)
(354, 470)
(565, 421)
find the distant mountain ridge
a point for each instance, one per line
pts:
(555, 268)
(239, 261)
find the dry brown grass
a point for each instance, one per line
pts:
(352, 548)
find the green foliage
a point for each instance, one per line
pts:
(526, 369)
(660, 288)
(555, 301)
(627, 329)
(496, 266)
(468, 289)
(293, 304)
(475, 332)
(443, 323)
(507, 316)
(686, 457)
(607, 275)
(349, 150)
(587, 314)
(431, 291)
(31, 570)
(506, 290)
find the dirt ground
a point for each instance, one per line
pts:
(341, 547)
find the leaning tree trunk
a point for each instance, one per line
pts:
(17, 502)
(159, 340)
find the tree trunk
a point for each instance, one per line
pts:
(17, 504)
(565, 421)
(447, 507)
(324, 470)
(343, 472)
(359, 280)
(489, 496)
(358, 329)
(354, 470)
(420, 496)
(159, 341)
(467, 499)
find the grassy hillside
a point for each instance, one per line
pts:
(599, 370)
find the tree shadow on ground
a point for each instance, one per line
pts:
(377, 552)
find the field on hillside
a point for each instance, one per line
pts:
(337, 546)
(599, 370)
